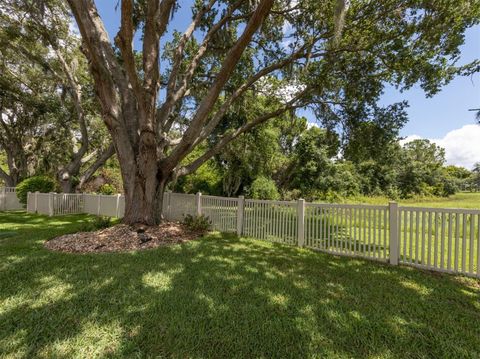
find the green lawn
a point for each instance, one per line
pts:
(459, 200)
(222, 297)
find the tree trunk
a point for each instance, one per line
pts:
(65, 180)
(129, 101)
(7, 179)
(144, 197)
(142, 179)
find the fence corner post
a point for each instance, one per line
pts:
(50, 203)
(301, 222)
(35, 209)
(4, 199)
(99, 203)
(393, 233)
(198, 202)
(240, 211)
(117, 210)
(166, 205)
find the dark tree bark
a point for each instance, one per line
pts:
(11, 143)
(99, 162)
(129, 103)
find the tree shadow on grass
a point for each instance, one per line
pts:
(227, 297)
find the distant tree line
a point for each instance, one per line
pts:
(290, 159)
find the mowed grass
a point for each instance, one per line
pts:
(460, 200)
(222, 297)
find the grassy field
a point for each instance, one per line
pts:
(222, 297)
(433, 238)
(459, 200)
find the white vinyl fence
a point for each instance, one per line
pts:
(9, 200)
(73, 203)
(432, 238)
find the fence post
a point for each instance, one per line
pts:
(50, 203)
(166, 205)
(240, 211)
(198, 203)
(98, 204)
(83, 202)
(4, 199)
(393, 217)
(301, 222)
(118, 206)
(35, 208)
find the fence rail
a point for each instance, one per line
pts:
(438, 239)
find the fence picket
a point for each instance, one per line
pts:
(464, 243)
(471, 248)
(450, 232)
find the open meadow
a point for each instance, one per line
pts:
(458, 200)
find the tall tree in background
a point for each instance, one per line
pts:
(25, 107)
(46, 74)
(422, 166)
(234, 49)
(476, 176)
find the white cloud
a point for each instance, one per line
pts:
(462, 146)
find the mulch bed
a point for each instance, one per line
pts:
(123, 238)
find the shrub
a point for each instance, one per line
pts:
(107, 189)
(332, 197)
(41, 184)
(264, 188)
(197, 223)
(446, 186)
(292, 195)
(99, 222)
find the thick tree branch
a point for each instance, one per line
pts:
(124, 41)
(102, 158)
(227, 138)
(110, 82)
(208, 129)
(119, 107)
(177, 56)
(174, 95)
(223, 75)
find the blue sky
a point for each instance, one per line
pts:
(444, 118)
(447, 110)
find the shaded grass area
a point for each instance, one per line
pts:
(222, 297)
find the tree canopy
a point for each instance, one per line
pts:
(172, 106)
(50, 116)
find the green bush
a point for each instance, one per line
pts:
(446, 186)
(264, 188)
(107, 189)
(41, 184)
(197, 223)
(97, 223)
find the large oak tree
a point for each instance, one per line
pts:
(330, 55)
(48, 108)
